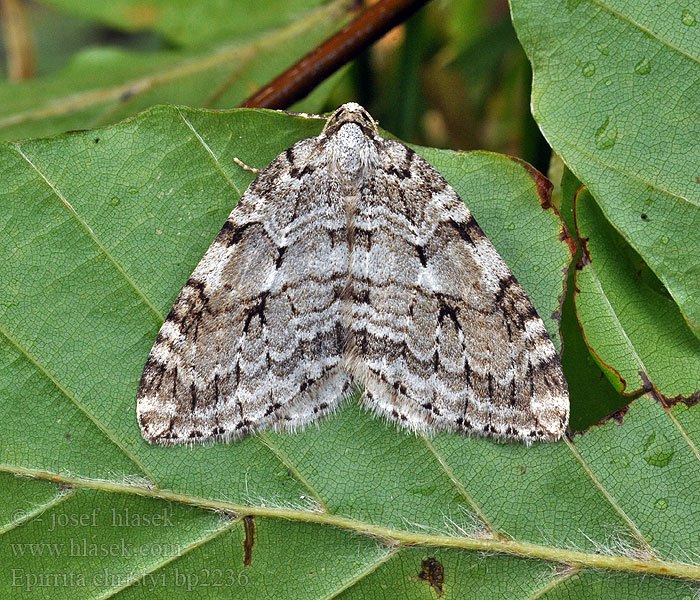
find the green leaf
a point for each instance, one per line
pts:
(635, 330)
(100, 230)
(104, 85)
(615, 93)
(191, 23)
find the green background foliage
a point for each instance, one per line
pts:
(99, 229)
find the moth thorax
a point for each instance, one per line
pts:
(353, 151)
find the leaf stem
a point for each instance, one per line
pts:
(390, 536)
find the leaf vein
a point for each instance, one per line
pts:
(284, 459)
(643, 29)
(209, 152)
(159, 565)
(90, 232)
(79, 405)
(460, 487)
(644, 543)
(61, 495)
(368, 570)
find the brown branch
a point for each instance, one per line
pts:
(19, 45)
(297, 81)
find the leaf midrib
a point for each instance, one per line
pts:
(613, 314)
(633, 565)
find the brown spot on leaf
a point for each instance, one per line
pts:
(668, 401)
(544, 185)
(432, 571)
(249, 541)
(618, 416)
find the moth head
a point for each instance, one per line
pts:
(351, 113)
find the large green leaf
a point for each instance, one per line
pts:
(191, 23)
(103, 85)
(99, 232)
(616, 92)
(635, 330)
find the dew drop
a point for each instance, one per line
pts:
(133, 191)
(661, 503)
(588, 69)
(114, 201)
(658, 450)
(688, 18)
(664, 239)
(642, 67)
(606, 134)
(510, 226)
(608, 82)
(536, 268)
(603, 49)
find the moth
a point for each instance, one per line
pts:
(350, 262)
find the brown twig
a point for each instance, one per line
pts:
(21, 63)
(297, 81)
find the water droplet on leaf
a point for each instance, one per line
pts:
(661, 504)
(664, 239)
(642, 67)
(114, 201)
(603, 49)
(658, 450)
(688, 18)
(588, 69)
(510, 226)
(606, 134)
